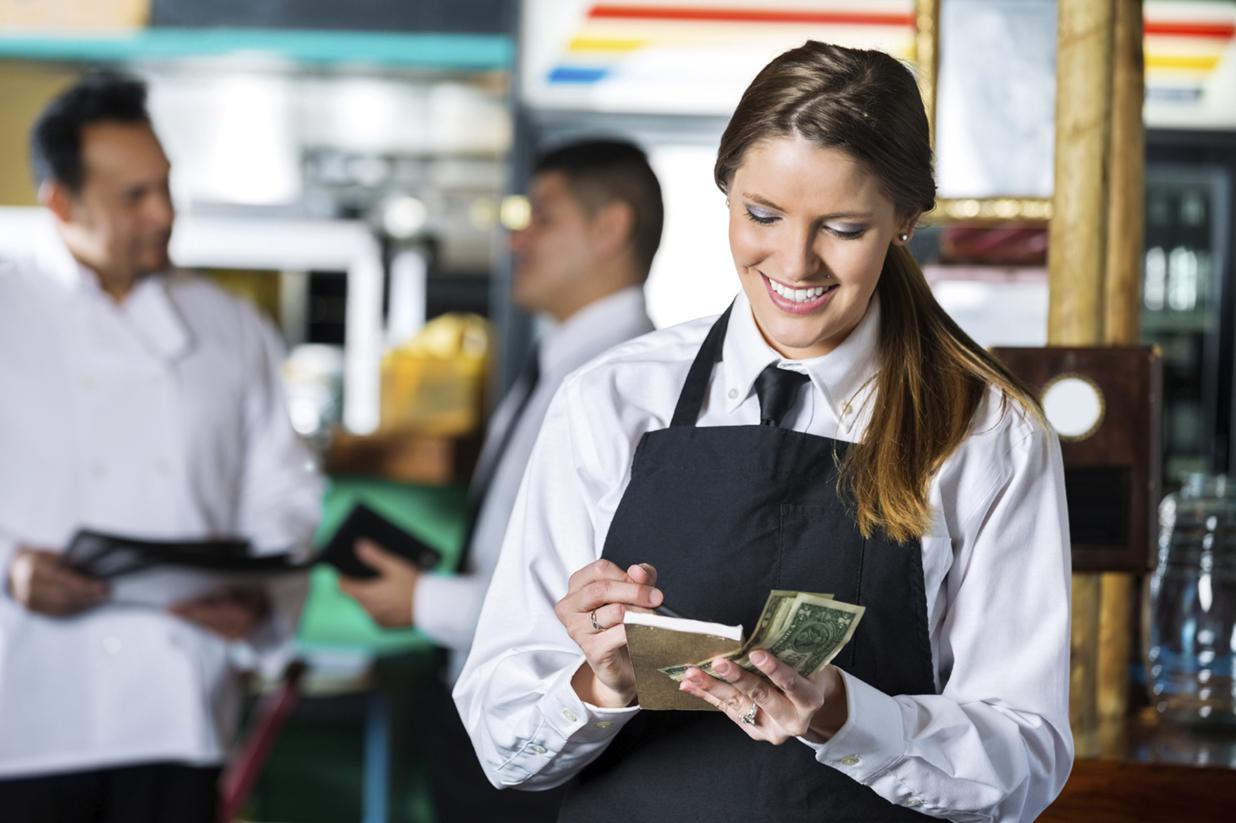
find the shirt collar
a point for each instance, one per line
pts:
(156, 318)
(840, 376)
(148, 309)
(590, 325)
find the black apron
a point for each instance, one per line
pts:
(726, 514)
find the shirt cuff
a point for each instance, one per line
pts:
(871, 740)
(444, 608)
(570, 731)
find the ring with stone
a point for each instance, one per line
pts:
(596, 627)
(749, 717)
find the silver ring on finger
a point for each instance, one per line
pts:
(750, 717)
(596, 627)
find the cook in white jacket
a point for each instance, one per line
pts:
(140, 402)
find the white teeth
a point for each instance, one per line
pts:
(797, 295)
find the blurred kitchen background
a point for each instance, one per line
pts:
(354, 168)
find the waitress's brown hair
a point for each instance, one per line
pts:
(932, 376)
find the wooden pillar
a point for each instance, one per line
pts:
(1122, 310)
(1077, 238)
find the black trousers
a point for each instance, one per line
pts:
(461, 792)
(146, 793)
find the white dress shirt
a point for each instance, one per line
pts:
(446, 607)
(992, 744)
(161, 416)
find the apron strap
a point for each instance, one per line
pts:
(691, 400)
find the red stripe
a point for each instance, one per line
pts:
(747, 15)
(1218, 31)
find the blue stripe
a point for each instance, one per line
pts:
(577, 74)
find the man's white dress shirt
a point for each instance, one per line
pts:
(446, 607)
(161, 416)
(994, 742)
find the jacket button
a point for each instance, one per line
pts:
(849, 760)
(536, 748)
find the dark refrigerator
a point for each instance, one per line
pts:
(1189, 295)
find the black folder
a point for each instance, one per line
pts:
(104, 556)
(363, 521)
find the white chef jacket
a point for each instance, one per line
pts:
(446, 607)
(161, 416)
(993, 743)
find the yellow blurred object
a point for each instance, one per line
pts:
(261, 288)
(73, 15)
(435, 383)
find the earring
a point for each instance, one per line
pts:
(903, 237)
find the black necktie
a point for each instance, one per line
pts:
(777, 390)
(523, 388)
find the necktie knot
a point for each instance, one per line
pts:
(777, 390)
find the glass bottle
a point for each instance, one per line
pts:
(1190, 606)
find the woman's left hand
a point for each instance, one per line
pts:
(789, 705)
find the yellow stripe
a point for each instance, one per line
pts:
(1178, 62)
(606, 44)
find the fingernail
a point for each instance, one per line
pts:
(721, 667)
(759, 657)
(657, 597)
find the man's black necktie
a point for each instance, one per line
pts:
(523, 388)
(777, 390)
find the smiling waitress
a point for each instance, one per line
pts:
(833, 431)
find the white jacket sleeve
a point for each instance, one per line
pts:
(281, 489)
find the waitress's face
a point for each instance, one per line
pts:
(809, 229)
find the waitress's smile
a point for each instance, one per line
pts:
(801, 299)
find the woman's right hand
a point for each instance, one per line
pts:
(601, 592)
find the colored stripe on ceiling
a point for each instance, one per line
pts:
(577, 74)
(607, 44)
(1176, 62)
(1215, 31)
(748, 15)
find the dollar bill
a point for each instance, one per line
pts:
(804, 629)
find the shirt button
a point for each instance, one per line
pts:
(536, 748)
(733, 394)
(569, 716)
(604, 724)
(112, 645)
(849, 760)
(914, 802)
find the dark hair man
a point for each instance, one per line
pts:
(143, 402)
(596, 217)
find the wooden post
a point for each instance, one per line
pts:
(1077, 238)
(1122, 310)
(1127, 173)
(1077, 233)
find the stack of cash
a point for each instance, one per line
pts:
(804, 629)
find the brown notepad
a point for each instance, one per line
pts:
(655, 641)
